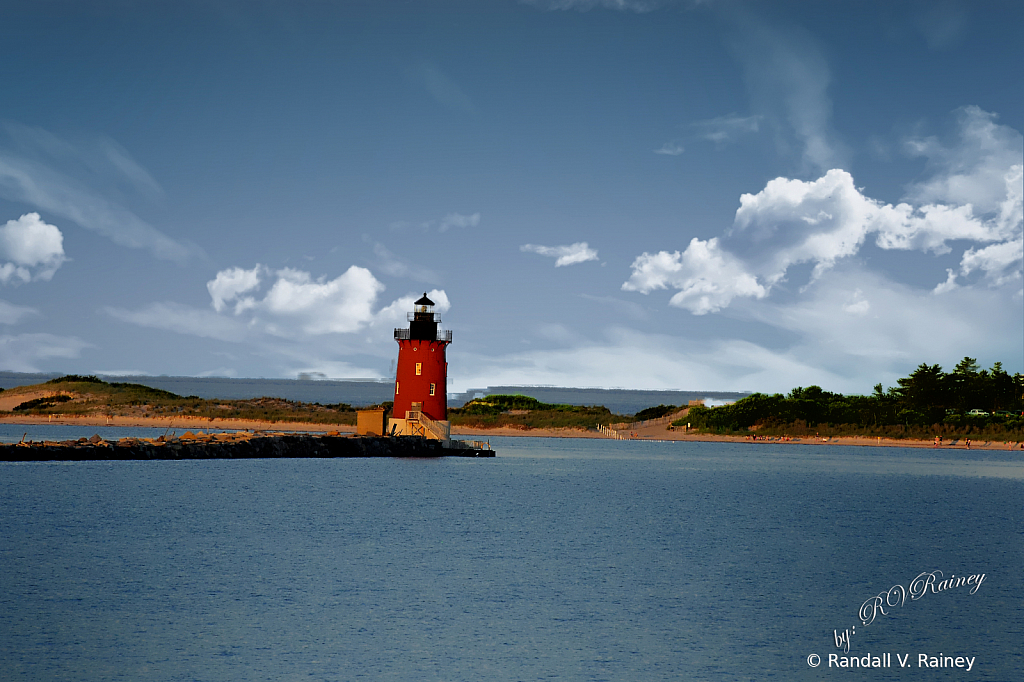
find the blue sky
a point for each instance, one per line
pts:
(617, 193)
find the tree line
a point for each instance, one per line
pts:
(967, 400)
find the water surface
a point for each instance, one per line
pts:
(559, 559)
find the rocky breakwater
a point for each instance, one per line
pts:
(236, 446)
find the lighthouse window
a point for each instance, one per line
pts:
(431, 389)
(396, 388)
(419, 368)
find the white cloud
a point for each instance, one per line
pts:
(899, 327)
(572, 254)
(999, 262)
(263, 306)
(655, 362)
(973, 168)
(727, 128)
(28, 352)
(32, 249)
(32, 177)
(458, 220)
(826, 221)
(670, 149)
(708, 278)
(852, 319)
(230, 284)
(395, 313)
(338, 306)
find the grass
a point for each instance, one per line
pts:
(524, 412)
(88, 395)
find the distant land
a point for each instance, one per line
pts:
(359, 392)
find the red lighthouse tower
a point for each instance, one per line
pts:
(421, 379)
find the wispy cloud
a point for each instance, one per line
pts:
(572, 254)
(59, 178)
(183, 319)
(459, 220)
(638, 6)
(396, 266)
(724, 129)
(670, 149)
(943, 24)
(33, 352)
(788, 78)
(14, 314)
(442, 88)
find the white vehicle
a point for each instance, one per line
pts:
(977, 413)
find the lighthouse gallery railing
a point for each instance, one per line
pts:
(444, 335)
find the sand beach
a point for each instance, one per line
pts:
(658, 432)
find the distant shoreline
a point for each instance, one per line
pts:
(182, 423)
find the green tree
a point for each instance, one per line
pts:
(1004, 393)
(966, 384)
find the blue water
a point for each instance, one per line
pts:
(557, 560)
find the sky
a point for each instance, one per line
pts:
(648, 194)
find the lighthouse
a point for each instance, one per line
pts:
(421, 378)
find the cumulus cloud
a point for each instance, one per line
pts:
(32, 249)
(999, 262)
(579, 252)
(395, 313)
(707, 277)
(297, 322)
(230, 284)
(259, 303)
(295, 300)
(824, 221)
(67, 180)
(339, 306)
